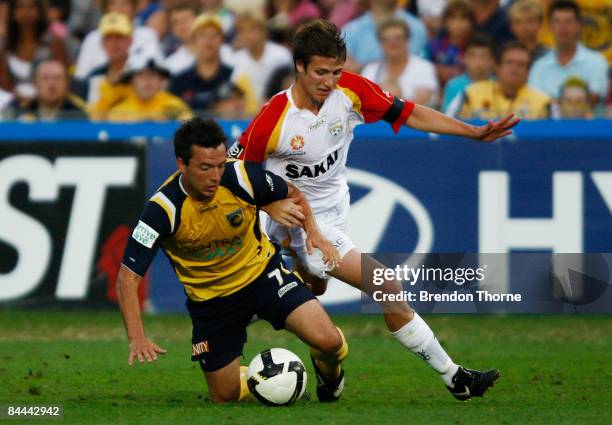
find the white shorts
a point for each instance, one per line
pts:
(332, 223)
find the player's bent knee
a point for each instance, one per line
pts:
(330, 341)
(225, 395)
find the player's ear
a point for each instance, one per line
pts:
(180, 164)
(300, 67)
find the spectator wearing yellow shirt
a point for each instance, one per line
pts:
(492, 99)
(104, 85)
(147, 100)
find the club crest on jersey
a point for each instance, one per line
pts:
(235, 218)
(335, 127)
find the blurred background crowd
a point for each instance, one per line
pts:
(142, 60)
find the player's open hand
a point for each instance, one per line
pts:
(331, 256)
(493, 130)
(286, 212)
(144, 349)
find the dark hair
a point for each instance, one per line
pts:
(481, 40)
(181, 5)
(204, 132)
(510, 45)
(40, 28)
(565, 5)
(393, 23)
(318, 38)
(461, 8)
(105, 3)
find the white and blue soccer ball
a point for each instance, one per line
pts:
(277, 377)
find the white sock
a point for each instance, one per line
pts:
(420, 339)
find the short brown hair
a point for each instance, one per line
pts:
(461, 8)
(393, 23)
(105, 4)
(525, 7)
(511, 45)
(565, 5)
(246, 18)
(181, 5)
(318, 38)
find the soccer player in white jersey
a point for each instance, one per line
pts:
(303, 134)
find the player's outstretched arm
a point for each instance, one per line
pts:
(432, 121)
(141, 347)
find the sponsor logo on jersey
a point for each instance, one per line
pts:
(294, 171)
(235, 150)
(235, 218)
(318, 123)
(145, 234)
(335, 127)
(297, 145)
(213, 249)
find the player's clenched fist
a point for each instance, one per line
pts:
(144, 349)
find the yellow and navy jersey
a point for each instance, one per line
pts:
(216, 247)
(486, 100)
(161, 107)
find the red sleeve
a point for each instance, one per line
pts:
(261, 136)
(373, 103)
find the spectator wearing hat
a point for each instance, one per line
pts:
(198, 84)
(258, 59)
(92, 54)
(575, 100)
(569, 58)
(148, 101)
(218, 9)
(230, 103)
(105, 87)
(53, 101)
(510, 93)
(182, 15)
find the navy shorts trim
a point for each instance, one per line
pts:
(219, 324)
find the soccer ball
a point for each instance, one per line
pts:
(277, 377)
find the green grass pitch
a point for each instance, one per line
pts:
(555, 370)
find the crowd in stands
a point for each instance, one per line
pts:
(157, 60)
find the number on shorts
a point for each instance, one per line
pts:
(277, 274)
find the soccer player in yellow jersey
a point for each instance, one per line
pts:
(205, 219)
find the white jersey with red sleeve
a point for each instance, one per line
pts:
(310, 150)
